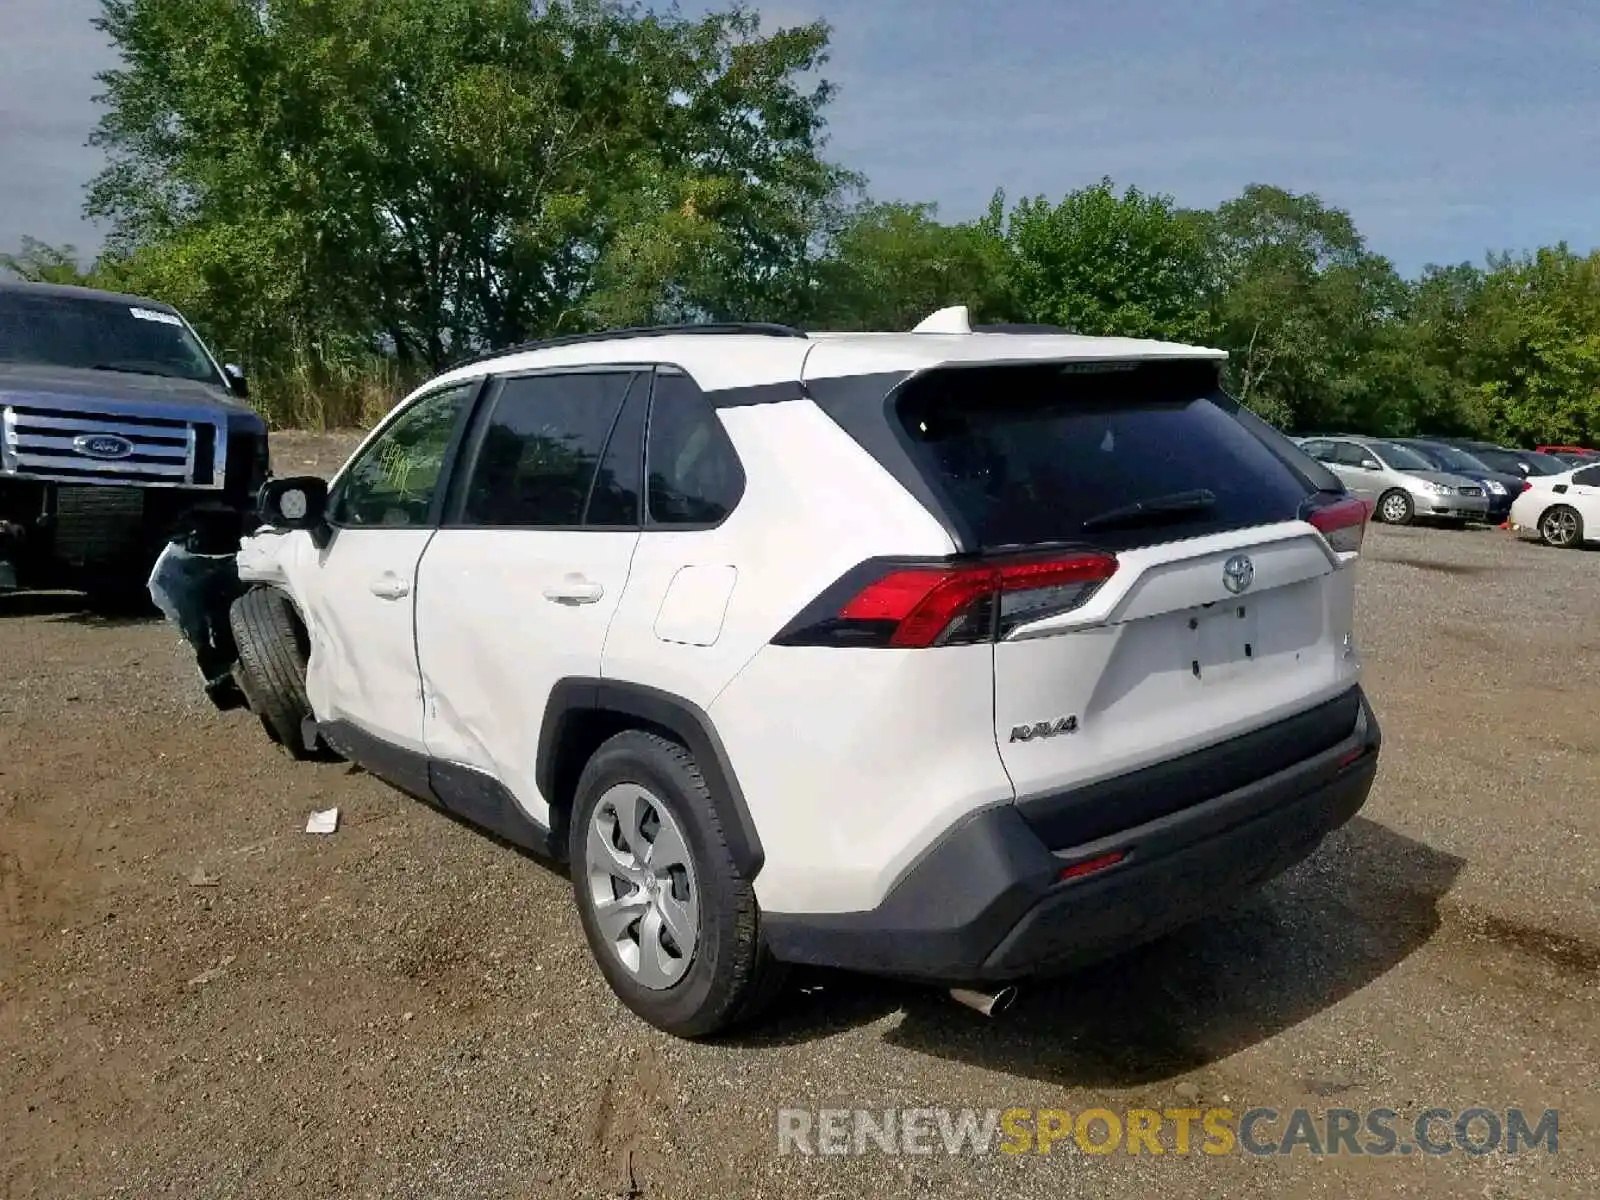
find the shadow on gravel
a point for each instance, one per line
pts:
(112, 618)
(1438, 568)
(129, 607)
(39, 604)
(1364, 902)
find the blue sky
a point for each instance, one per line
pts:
(1447, 129)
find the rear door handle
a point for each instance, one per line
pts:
(390, 586)
(574, 589)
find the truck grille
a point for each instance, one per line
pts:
(73, 445)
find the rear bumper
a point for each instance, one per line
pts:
(987, 902)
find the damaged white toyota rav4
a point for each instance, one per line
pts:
(962, 656)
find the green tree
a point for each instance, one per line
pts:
(40, 262)
(1302, 306)
(890, 265)
(1536, 359)
(1129, 265)
(434, 176)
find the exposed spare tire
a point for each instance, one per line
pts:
(273, 651)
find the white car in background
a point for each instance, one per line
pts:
(1564, 510)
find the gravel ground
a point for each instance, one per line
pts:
(197, 999)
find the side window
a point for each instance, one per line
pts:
(1348, 454)
(693, 474)
(619, 481)
(539, 450)
(394, 480)
(1588, 477)
(1321, 451)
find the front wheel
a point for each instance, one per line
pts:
(271, 672)
(1395, 508)
(669, 919)
(1561, 527)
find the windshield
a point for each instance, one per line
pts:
(1448, 458)
(1544, 464)
(89, 333)
(1503, 461)
(1401, 458)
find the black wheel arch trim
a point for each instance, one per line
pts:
(574, 696)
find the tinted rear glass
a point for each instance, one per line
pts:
(1030, 454)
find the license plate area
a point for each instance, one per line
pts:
(1224, 641)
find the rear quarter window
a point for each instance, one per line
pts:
(1035, 454)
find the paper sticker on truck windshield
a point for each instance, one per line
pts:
(150, 314)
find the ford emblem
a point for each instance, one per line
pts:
(103, 445)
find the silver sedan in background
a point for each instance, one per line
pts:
(1399, 483)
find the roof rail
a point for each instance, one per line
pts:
(748, 328)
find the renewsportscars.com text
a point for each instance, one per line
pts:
(1214, 1131)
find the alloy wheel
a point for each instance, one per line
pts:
(1559, 527)
(642, 885)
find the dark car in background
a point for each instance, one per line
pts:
(116, 426)
(1507, 460)
(1501, 487)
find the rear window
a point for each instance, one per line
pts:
(1114, 458)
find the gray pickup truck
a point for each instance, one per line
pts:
(117, 425)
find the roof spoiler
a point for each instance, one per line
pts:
(957, 319)
(947, 320)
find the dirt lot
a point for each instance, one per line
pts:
(407, 1008)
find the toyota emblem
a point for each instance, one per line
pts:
(1238, 573)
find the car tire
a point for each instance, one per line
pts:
(1561, 526)
(273, 651)
(1394, 507)
(637, 788)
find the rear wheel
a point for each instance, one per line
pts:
(273, 652)
(1561, 527)
(671, 922)
(1395, 508)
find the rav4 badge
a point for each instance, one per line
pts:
(1044, 729)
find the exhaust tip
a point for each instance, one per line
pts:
(990, 1004)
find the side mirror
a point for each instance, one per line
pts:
(1371, 464)
(236, 380)
(298, 502)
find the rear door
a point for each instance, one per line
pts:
(519, 586)
(1225, 611)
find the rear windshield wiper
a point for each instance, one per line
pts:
(1153, 509)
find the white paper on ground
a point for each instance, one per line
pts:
(325, 821)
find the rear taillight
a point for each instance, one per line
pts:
(913, 606)
(1343, 523)
(1527, 485)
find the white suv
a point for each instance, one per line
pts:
(959, 656)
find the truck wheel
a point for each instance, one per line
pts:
(273, 651)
